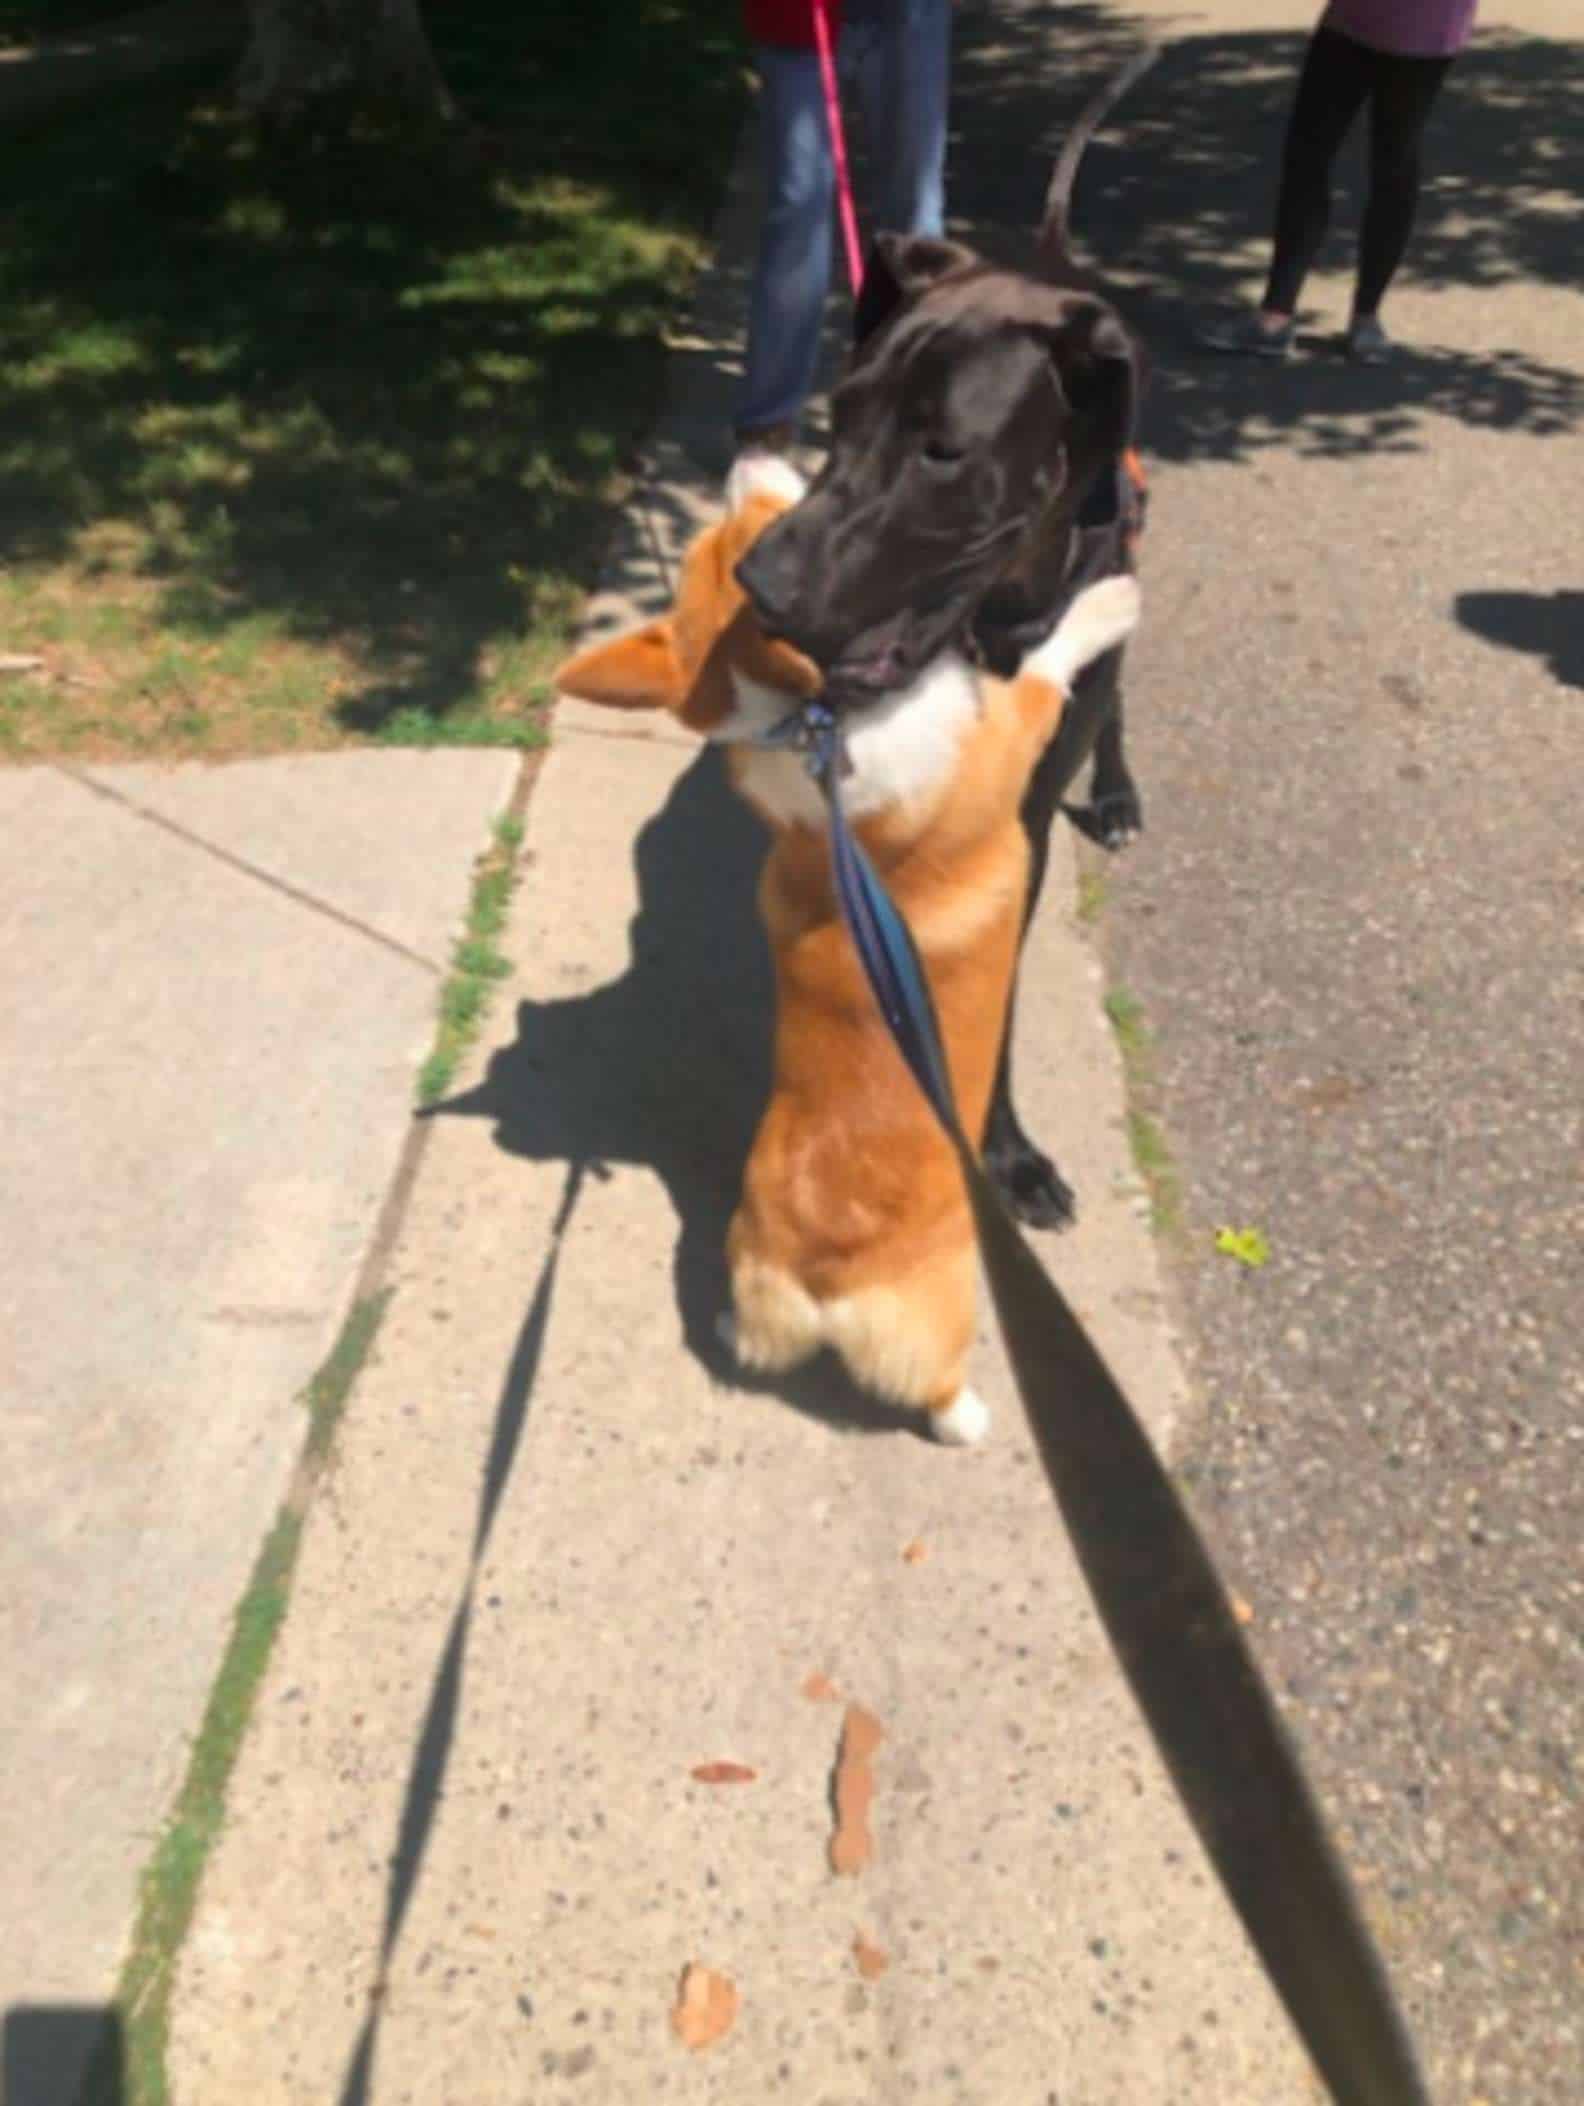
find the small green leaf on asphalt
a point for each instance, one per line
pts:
(1247, 1245)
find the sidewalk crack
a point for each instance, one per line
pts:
(283, 886)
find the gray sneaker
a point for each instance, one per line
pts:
(1247, 336)
(1367, 341)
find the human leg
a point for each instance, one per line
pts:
(1336, 78)
(792, 269)
(900, 58)
(1332, 85)
(1404, 92)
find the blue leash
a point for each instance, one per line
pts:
(1167, 1614)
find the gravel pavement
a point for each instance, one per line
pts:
(1355, 925)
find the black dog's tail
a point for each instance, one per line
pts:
(1055, 247)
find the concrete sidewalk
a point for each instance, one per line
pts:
(220, 985)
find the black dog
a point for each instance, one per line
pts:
(979, 476)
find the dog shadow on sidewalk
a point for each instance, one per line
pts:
(667, 1069)
(664, 1069)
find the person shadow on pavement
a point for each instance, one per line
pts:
(63, 2055)
(1550, 625)
(668, 1069)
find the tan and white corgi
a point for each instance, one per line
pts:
(853, 1229)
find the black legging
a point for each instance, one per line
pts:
(1338, 75)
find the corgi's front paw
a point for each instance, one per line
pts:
(762, 472)
(1100, 618)
(726, 1331)
(964, 1422)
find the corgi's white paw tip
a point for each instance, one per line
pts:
(1106, 614)
(1100, 618)
(760, 472)
(1121, 596)
(964, 1423)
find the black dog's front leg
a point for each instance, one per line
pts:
(1116, 811)
(1092, 723)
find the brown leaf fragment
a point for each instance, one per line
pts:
(851, 1845)
(870, 1960)
(820, 1689)
(723, 1773)
(915, 1553)
(705, 2009)
(1241, 1610)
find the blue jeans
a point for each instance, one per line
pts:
(897, 56)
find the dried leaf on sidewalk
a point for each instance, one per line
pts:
(1241, 1609)
(870, 1960)
(705, 2009)
(723, 1773)
(915, 1553)
(851, 1845)
(820, 1689)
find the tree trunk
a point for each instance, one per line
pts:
(323, 62)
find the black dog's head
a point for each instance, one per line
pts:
(977, 411)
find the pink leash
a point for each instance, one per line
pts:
(824, 45)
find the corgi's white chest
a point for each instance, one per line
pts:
(903, 748)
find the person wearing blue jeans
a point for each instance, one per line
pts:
(896, 54)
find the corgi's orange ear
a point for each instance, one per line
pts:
(640, 670)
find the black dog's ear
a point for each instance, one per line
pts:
(899, 266)
(1101, 368)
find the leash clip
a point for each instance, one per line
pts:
(814, 731)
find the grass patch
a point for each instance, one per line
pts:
(477, 962)
(169, 1889)
(1152, 1156)
(1093, 893)
(322, 451)
(416, 727)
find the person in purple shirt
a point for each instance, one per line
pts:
(1394, 55)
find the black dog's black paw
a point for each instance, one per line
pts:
(1032, 1186)
(1119, 818)
(1114, 821)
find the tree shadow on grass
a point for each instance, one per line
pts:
(1174, 203)
(387, 414)
(382, 401)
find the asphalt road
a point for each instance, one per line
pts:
(1354, 924)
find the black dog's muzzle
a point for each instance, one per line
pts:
(864, 643)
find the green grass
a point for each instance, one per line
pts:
(417, 727)
(476, 963)
(323, 449)
(1093, 893)
(169, 1888)
(1152, 1156)
(1126, 1015)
